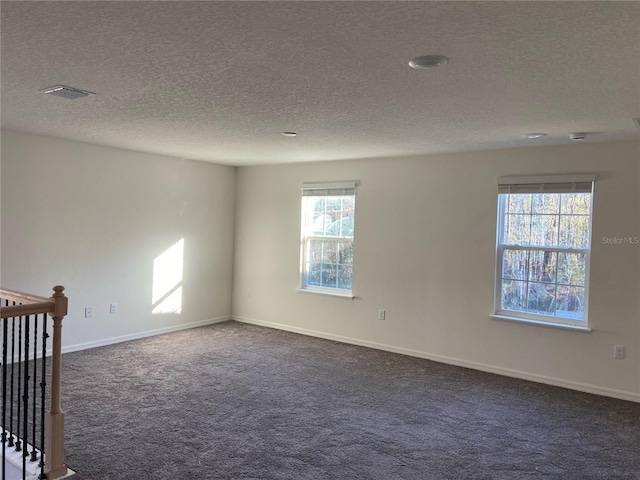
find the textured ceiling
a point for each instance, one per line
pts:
(220, 81)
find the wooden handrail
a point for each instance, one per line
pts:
(21, 297)
(26, 309)
(56, 306)
(32, 304)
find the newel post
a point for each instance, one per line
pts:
(54, 427)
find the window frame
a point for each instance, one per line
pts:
(556, 184)
(327, 190)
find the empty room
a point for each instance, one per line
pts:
(320, 240)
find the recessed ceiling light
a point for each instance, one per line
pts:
(289, 134)
(67, 92)
(534, 136)
(428, 61)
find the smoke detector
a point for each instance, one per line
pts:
(534, 136)
(67, 92)
(428, 61)
(577, 137)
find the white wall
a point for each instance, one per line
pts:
(94, 218)
(424, 252)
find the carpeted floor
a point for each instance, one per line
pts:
(235, 401)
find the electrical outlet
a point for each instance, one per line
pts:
(113, 308)
(382, 314)
(618, 352)
(88, 312)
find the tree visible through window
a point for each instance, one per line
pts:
(328, 214)
(543, 249)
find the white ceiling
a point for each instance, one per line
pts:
(220, 81)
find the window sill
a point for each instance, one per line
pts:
(327, 292)
(542, 323)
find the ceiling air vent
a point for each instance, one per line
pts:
(67, 92)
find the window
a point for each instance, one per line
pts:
(543, 248)
(328, 214)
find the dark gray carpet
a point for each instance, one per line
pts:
(235, 401)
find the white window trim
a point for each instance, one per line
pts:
(326, 291)
(526, 317)
(308, 189)
(566, 326)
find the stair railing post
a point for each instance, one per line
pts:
(54, 428)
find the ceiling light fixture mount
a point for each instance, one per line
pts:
(534, 136)
(290, 134)
(67, 92)
(428, 61)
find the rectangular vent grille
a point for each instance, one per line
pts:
(67, 92)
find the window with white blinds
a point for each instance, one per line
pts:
(543, 248)
(328, 227)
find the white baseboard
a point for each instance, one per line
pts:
(558, 382)
(138, 335)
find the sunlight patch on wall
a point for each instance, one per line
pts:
(166, 292)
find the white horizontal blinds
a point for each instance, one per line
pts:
(547, 184)
(328, 189)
